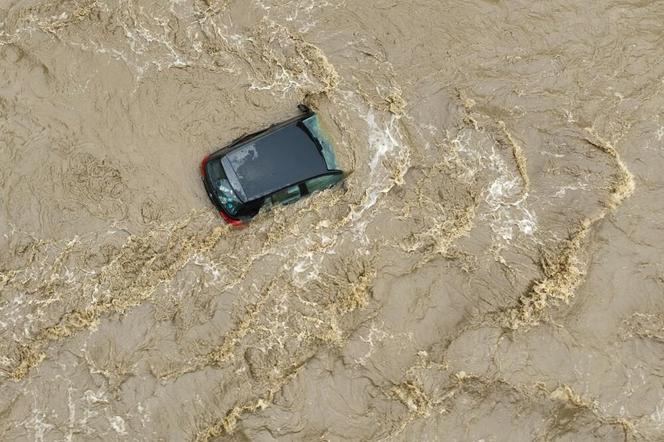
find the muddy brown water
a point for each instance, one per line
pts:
(491, 270)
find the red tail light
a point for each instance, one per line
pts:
(229, 220)
(203, 163)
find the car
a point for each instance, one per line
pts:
(277, 165)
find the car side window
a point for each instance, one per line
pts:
(250, 209)
(323, 182)
(287, 195)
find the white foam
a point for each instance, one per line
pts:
(507, 202)
(118, 424)
(505, 196)
(657, 416)
(383, 140)
(39, 424)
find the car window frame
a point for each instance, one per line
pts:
(304, 190)
(330, 173)
(287, 201)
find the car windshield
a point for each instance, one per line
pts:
(222, 188)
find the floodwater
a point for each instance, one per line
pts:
(491, 270)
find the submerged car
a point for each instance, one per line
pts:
(278, 165)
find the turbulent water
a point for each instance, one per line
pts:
(491, 270)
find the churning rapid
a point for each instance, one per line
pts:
(490, 270)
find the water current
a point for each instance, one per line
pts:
(491, 270)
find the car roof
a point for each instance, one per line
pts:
(275, 159)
